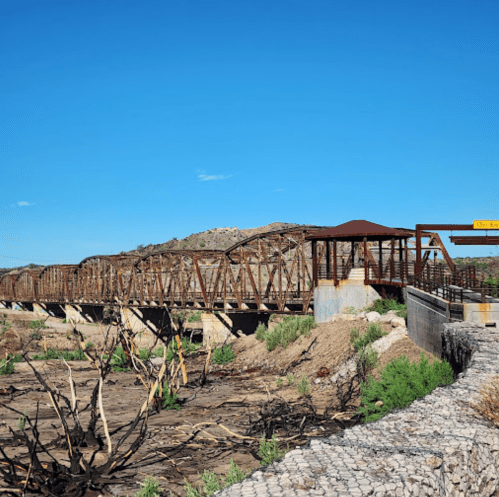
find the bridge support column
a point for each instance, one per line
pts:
(331, 300)
(148, 322)
(84, 313)
(22, 306)
(43, 309)
(218, 328)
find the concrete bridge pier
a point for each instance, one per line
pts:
(55, 310)
(84, 313)
(148, 322)
(218, 328)
(330, 300)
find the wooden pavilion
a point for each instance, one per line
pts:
(341, 252)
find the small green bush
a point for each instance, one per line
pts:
(261, 332)
(195, 317)
(400, 383)
(68, 355)
(211, 482)
(279, 382)
(119, 361)
(303, 386)
(187, 348)
(21, 422)
(223, 355)
(290, 378)
(288, 330)
(37, 324)
(7, 365)
(170, 399)
(269, 450)
(361, 340)
(150, 488)
(384, 305)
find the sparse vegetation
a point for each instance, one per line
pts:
(360, 340)
(7, 365)
(384, 305)
(223, 355)
(261, 332)
(38, 324)
(400, 383)
(269, 450)
(212, 483)
(290, 378)
(288, 331)
(303, 386)
(279, 382)
(21, 422)
(487, 405)
(68, 355)
(194, 317)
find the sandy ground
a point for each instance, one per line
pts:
(233, 396)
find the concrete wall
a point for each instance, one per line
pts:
(426, 314)
(482, 314)
(330, 300)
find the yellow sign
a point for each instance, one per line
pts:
(486, 225)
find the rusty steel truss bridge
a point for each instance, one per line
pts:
(268, 272)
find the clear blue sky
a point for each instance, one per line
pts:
(126, 122)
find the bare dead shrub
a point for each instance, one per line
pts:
(488, 403)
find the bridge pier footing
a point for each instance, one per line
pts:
(220, 328)
(55, 310)
(331, 300)
(147, 321)
(84, 313)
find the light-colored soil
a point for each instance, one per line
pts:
(233, 396)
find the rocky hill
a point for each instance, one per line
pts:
(215, 239)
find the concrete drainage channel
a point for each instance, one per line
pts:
(438, 446)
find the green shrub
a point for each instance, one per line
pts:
(361, 340)
(261, 332)
(170, 399)
(89, 345)
(303, 386)
(119, 361)
(150, 488)
(223, 355)
(7, 365)
(290, 378)
(187, 348)
(211, 483)
(279, 382)
(367, 360)
(37, 324)
(21, 422)
(68, 355)
(269, 450)
(195, 317)
(384, 305)
(289, 330)
(400, 383)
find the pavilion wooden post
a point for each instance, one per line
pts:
(335, 264)
(392, 256)
(314, 263)
(353, 254)
(406, 259)
(401, 262)
(418, 268)
(380, 273)
(366, 267)
(328, 260)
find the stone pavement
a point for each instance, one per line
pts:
(437, 446)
